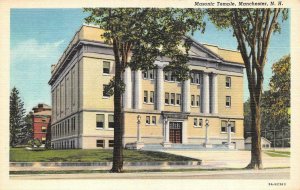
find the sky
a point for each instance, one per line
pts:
(38, 37)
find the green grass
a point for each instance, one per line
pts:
(274, 153)
(99, 155)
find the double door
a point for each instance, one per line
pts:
(175, 135)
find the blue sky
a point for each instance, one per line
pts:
(39, 36)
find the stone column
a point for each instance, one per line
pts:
(160, 89)
(127, 96)
(186, 95)
(166, 142)
(205, 93)
(229, 133)
(214, 100)
(138, 89)
(138, 138)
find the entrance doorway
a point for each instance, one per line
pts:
(175, 135)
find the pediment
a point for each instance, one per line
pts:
(199, 50)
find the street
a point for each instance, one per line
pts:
(222, 174)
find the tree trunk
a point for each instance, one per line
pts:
(256, 160)
(118, 116)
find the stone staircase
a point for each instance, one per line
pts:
(200, 147)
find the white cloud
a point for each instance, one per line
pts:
(32, 49)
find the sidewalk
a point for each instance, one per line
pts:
(230, 159)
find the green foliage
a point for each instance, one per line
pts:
(275, 103)
(16, 118)
(37, 143)
(149, 34)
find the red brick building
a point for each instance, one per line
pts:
(41, 121)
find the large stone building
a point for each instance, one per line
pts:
(171, 112)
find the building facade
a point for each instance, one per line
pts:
(41, 121)
(170, 112)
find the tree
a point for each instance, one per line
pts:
(252, 29)
(16, 117)
(276, 102)
(27, 129)
(143, 35)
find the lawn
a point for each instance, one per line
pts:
(99, 155)
(274, 153)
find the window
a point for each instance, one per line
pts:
(173, 77)
(154, 120)
(43, 140)
(100, 143)
(195, 122)
(197, 100)
(44, 129)
(192, 77)
(228, 101)
(223, 126)
(200, 122)
(166, 98)
(151, 97)
(110, 143)
(106, 67)
(166, 76)
(105, 93)
(197, 77)
(232, 123)
(178, 99)
(228, 82)
(145, 96)
(111, 121)
(148, 120)
(151, 74)
(145, 75)
(173, 98)
(192, 100)
(100, 121)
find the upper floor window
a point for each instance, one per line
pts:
(145, 96)
(228, 82)
(178, 99)
(44, 129)
(105, 91)
(192, 100)
(173, 77)
(195, 77)
(100, 121)
(150, 74)
(106, 67)
(145, 74)
(151, 96)
(197, 100)
(111, 121)
(173, 98)
(170, 76)
(167, 98)
(195, 122)
(228, 101)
